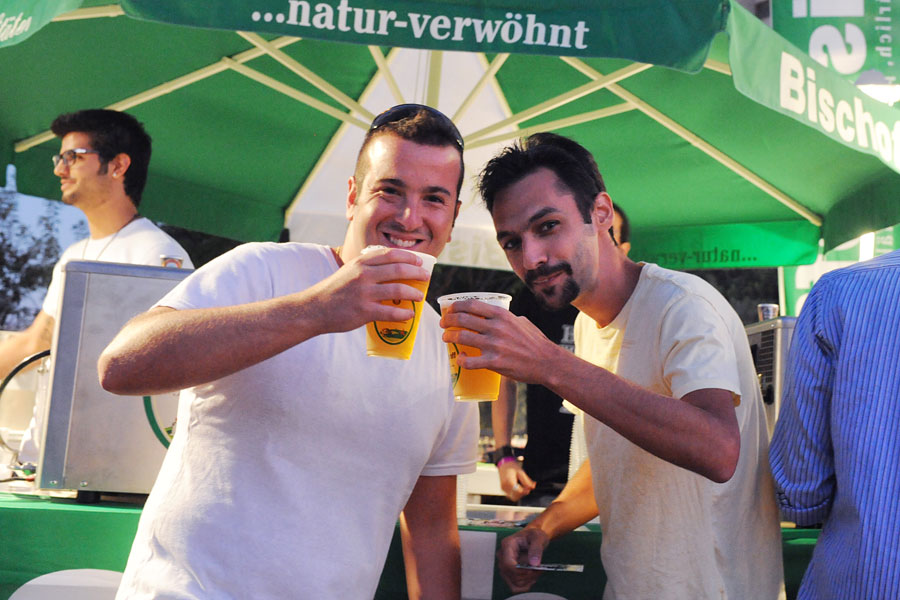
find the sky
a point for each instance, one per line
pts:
(29, 209)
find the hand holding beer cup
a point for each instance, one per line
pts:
(362, 290)
(395, 339)
(471, 384)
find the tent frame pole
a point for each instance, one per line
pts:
(601, 113)
(473, 93)
(293, 93)
(570, 96)
(433, 89)
(164, 88)
(307, 74)
(385, 71)
(699, 143)
(95, 12)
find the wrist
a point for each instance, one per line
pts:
(503, 454)
(506, 459)
(544, 525)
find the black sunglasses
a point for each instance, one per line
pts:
(403, 111)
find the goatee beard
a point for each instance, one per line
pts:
(568, 291)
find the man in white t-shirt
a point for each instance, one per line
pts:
(662, 376)
(102, 166)
(295, 452)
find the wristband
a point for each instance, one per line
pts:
(503, 452)
(505, 459)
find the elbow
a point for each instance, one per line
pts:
(111, 375)
(106, 374)
(725, 459)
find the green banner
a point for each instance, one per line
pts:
(19, 19)
(682, 30)
(776, 74)
(853, 37)
(728, 246)
(797, 281)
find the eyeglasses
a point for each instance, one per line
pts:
(403, 111)
(68, 157)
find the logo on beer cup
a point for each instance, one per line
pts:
(396, 333)
(453, 352)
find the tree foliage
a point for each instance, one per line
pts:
(26, 262)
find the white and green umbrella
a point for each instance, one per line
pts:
(726, 145)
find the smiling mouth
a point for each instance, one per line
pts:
(546, 279)
(401, 243)
(547, 276)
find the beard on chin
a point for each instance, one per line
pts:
(568, 291)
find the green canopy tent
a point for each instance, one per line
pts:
(726, 145)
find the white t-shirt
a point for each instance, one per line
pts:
(286, 479)
(669, 533)
(139, 243)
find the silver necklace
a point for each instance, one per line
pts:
(111, 239)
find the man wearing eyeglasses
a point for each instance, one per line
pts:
(102, 167)
(295, 453)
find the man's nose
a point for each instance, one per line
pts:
(533, 254)
(410, 215)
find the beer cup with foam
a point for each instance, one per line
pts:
(473, 385)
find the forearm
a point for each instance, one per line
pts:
(698, 432)
(503, 412)
(433, 571)
(20, 346)
(13, 351)
(166, 350)
(574, 506)
(430, 540)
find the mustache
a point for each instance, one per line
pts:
(545, 270)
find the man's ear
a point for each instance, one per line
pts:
(351, 197)
(119, 165)
(602, 213)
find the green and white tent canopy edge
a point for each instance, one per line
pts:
(765, 68)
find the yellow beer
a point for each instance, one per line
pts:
(472, 384)
(395, 339)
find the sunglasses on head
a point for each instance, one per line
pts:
(404, 111)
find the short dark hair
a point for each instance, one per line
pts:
(423, 125)
(625, 228)
(112, 132)
(573, 165)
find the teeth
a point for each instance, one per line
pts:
(402, 243)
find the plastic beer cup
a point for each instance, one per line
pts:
(766, 312)
(395, 339)
(473, 385)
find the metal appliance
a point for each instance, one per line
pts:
(769, 344)
(94, 441)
